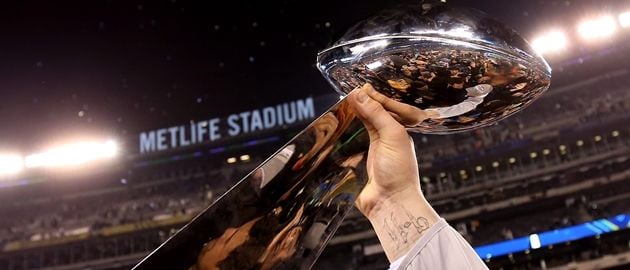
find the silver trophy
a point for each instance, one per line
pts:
(437, 69)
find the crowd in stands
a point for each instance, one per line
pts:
(581, 207)
(543, 213)
(562, 113)
(573, 107)
(542, 157)
(532, 195)
(58, 217)
(120, 205)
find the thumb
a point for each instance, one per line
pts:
(375, 117)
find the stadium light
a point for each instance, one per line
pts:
(615, 133)
(624, 19)
(231, 160)
(245, 157)
(602, 27)
(550, 42)
(10, 164)
(72, 154)
(534, 241)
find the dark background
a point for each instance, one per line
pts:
(115, 68)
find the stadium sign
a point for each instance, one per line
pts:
(234, 125)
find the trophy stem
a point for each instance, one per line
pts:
(282, 214)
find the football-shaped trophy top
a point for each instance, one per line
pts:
(438, 69)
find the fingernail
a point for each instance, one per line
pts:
(361, 96)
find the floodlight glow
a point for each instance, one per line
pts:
(550, 42)
(624, 19)
(72, 154)
(598, 28)
(10, 164)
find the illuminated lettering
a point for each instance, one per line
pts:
(269, 117)
(237, 124)
(279, 114)
(201, 130)
(173, 131)
(182, 136)
(147, 142)
(193, 132)
(257, 123)
(305, 109)
(244, 122)
(288, 112)
(161, 139)
(214, 129)
(235, 129)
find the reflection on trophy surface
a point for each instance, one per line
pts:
(441, 71)
(436, 69)
(301, 201)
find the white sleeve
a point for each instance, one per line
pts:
(458, 109)
(440, 248)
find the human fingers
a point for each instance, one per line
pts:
(375, 117)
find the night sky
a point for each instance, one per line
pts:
(117, 67)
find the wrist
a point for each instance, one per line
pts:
(410, 198)
(376, 201)
(400, 220)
